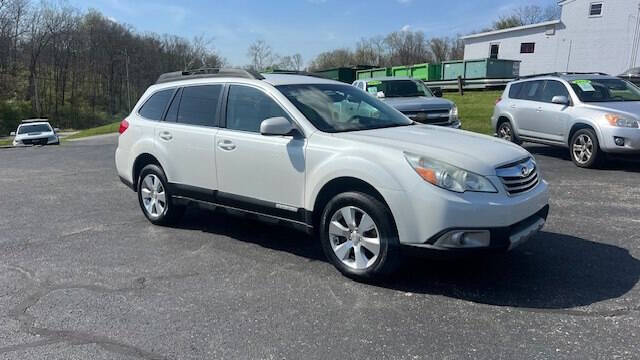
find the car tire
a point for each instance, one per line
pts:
(584, 149)
(155, 198)
(505, 132)
(351, 225)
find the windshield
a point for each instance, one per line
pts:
(25, 129)
(605, 90)
(338, 108)
(398, 88)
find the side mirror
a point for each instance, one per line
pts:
(560, 100)
(437, 91)
(277, 126)
(380, 94)
(13, 133)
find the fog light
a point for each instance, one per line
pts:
(618, 140)
(464, 239)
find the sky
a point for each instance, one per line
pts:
(308, 27)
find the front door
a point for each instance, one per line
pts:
(258, 172)
(553, 120)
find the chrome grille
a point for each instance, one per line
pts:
(440, 116)
(519, 177)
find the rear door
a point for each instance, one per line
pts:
(187, 136)
(552, 122)
(528, 107)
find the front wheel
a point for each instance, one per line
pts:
(359, 236)
(154, 197)
(585, 149)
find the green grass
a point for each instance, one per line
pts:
(100, 130)
(6, 142)
(475, 109)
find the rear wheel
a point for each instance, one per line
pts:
(585, 149)
(154, 197)
(505, 132)
(358, 236)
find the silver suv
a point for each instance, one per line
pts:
(591, 114)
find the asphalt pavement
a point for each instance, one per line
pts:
(83, 275)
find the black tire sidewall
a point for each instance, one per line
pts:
(595, 156)
(514, 138)
(170, 209)
(389, 244)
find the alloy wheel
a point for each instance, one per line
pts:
(153, 196)
(583, 149)
(354, 237)
(505, 133)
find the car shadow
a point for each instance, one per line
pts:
(551, 271)
(612, 162)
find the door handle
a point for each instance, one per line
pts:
(539, 109)
(513, 106)
(227, 145)
(165, 135)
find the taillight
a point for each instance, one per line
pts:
(124, 125)
(498, 100)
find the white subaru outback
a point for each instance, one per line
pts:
(331, 159)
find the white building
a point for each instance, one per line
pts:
(591, 35)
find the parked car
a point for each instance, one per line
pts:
(590, 114)
(35, 132)
(632, 75)
(326, 157)
(412, 98)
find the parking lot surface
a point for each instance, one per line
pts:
(83, 275)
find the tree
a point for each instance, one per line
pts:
(297, 62)
(408, 47)
(527, 15)
(440, 49)
(261, 55)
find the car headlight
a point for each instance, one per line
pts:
(448, 176)
(453, 114)
(617, 120)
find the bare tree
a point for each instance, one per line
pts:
(261, 55)
(527, 15)
(332, 59)
(297, 61)
(440, 49)
(408, 47)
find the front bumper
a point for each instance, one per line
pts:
(631, 138)
(501, 238)
(47, 140)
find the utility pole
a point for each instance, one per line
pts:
(126, 65)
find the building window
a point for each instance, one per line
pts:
(595, 9)
(527, 48)
(493, 51)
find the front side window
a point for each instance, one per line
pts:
(154, 108)
(248, 107)
(339, 108)
(553, 88)
(605, 90)
(25, 129)
(398, 88)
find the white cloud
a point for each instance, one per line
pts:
(406, 28)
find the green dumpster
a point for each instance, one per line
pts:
(401, 71)
(426, 72)
(373, 73)
(452, 69)
(344, 74)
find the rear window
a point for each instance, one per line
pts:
(514, 90)
(199, 105)
(154, 108)
(25, 129)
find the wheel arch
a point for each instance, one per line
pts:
(139, 163)
(340, 185)
(579, 126)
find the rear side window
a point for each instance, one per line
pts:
(154, 108)
(553, 88)
(531, 90)
(247, 107)
(514, 90)
(198, 105)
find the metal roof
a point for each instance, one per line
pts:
(517, 28)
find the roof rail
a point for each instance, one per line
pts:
(208, 73)
(560, 74)
(35, 120)
(296, 72)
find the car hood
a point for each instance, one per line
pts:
(419, 103)
(631, 108)
(477, 153)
